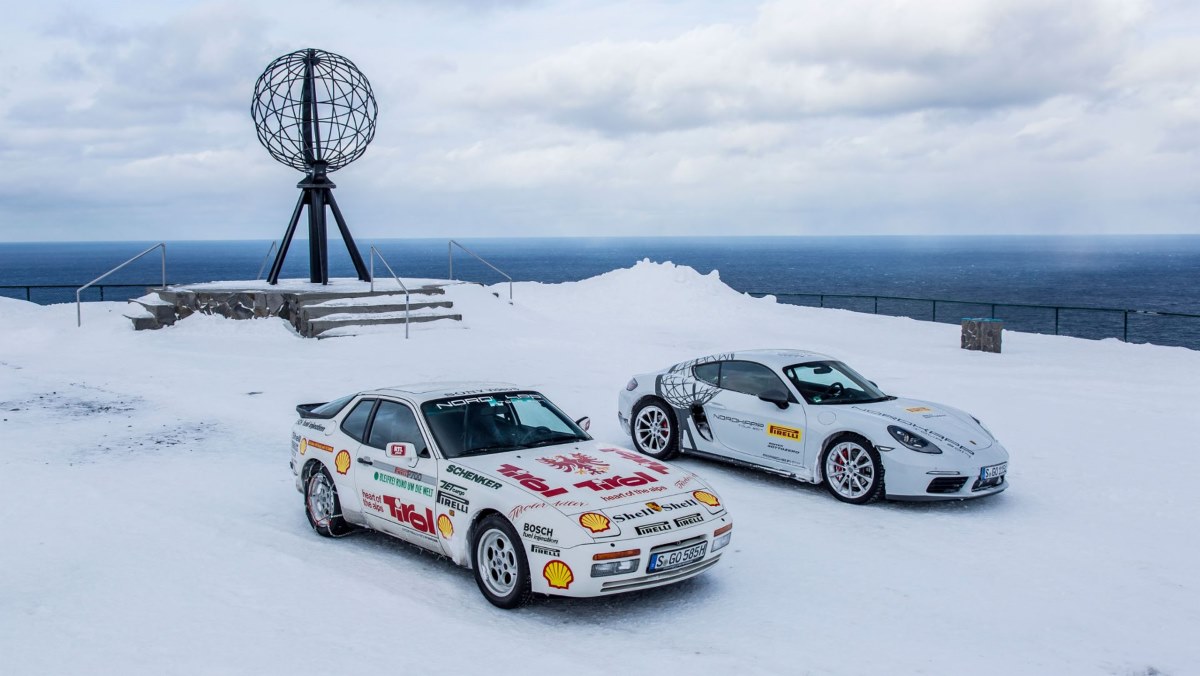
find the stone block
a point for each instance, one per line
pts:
(982, 334)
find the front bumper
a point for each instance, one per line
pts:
(546, 564)
(916, 477)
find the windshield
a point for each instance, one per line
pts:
(832, 382)
(495, 423)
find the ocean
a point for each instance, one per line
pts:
(1152, 273)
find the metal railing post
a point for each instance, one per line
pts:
(1125, 329)
(876, 311)
(264, 263)
(407, 316)
(1056, 321)
(934, 317)
(79, 291)
(450, 247)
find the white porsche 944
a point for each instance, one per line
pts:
(810, 417)
(501, 481)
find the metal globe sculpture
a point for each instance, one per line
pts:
(314, 111)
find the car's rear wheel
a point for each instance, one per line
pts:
(853, 470)
(655, 430)
(322, 505)
(501, 567)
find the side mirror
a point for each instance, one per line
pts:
(775, 396)
(401, 449)
(585, 423)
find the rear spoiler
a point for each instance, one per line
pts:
(305, 410)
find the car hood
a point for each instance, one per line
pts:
(943, 425)
(590, 476)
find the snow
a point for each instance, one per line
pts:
(153, 526)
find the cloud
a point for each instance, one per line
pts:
(804, 59)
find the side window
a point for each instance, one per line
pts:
(749, 377)
(355, 423)
(395, 422)
(709, 373)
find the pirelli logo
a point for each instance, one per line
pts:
(789, 433)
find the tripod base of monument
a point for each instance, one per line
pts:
(316, 194)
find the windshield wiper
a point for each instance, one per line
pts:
(553, 441)
(489, 449)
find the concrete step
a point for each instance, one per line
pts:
(346, 321)
(150, 312)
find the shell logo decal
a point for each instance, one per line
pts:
(558, 574)
(655, 506)
(445, 526)
(596, 523)
(303, 445)
(342, 462)
(707, 498)
(919, 409)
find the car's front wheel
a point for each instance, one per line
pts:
(501, 568)
(853, 470)
(322, 505)
(655, 431)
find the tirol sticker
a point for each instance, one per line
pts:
(342, 461)
(576, 463)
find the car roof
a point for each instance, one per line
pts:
(778, 358)
(442, 389)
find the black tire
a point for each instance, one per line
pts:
(654, 428)
(852, 451)
(322, 505)
(499, 563)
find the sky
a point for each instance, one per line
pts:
(131, 120)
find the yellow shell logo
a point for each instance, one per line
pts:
(597, 523)
(558, 574)
(707, 498)
(445, 526)
(303, 445)
(342, 462)
(654, 505)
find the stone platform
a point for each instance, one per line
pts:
(314, 310)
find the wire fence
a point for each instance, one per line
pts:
(48, 294)
(1139, 326)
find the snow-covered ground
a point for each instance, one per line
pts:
(152, 527)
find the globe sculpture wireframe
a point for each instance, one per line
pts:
(315, 112)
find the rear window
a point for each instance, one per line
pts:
(355, 423)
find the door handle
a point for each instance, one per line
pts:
(365, 461)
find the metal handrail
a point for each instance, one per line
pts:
(450, 255)
(933, 315)
(265, 259)
(78, 302)
(375, 252)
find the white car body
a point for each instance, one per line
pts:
(568, 502)
(793, 441)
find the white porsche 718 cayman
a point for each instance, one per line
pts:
(501, 481)
(810, 417)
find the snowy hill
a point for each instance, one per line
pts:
(153, 527)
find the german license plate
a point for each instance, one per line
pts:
(993, 471)
(677, 557)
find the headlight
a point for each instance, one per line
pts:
(615, 567)
(721, 536)
(631, 385)
(912, 441)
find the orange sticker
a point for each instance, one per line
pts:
(707, 498)
(597, 523)
(558, 574)
(445, 526)
(324, 447)
(342, 462)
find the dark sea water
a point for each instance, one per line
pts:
(1124, 272)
